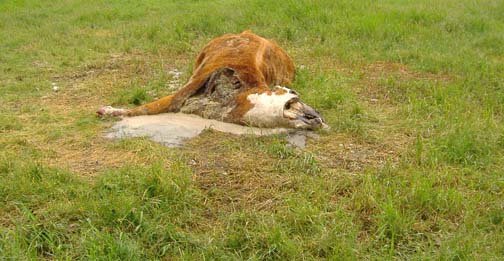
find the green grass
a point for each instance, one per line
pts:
(412, 167)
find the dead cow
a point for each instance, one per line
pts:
(231, 82)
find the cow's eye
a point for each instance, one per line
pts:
(287, 105)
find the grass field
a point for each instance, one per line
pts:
(412, 167)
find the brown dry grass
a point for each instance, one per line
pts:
(371, 91)
(81, 94)
(344, 152)
(85, 90)
(234, 171)
(239, 172)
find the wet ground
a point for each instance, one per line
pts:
(172, 129)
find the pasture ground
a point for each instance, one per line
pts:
(412, 168)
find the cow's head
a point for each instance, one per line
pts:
(281, 108)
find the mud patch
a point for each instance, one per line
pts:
(173, 129)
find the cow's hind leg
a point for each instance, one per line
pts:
(155, 107)
(170, 103)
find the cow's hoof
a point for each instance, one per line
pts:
(109, 111)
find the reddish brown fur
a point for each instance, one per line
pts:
(258, 63)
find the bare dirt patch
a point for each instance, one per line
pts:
(238, 172)
(81, 93)
(370, 89)
(102, 80)
(347, 153)
(234, 174)
(93, 158)
(375, 70)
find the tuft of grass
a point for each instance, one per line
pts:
(290, 160)
(136, 96)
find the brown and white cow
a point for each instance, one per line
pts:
(231, 82)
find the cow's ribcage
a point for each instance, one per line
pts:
(216, 98)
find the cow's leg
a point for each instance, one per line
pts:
(170, 103)
(155, 107)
